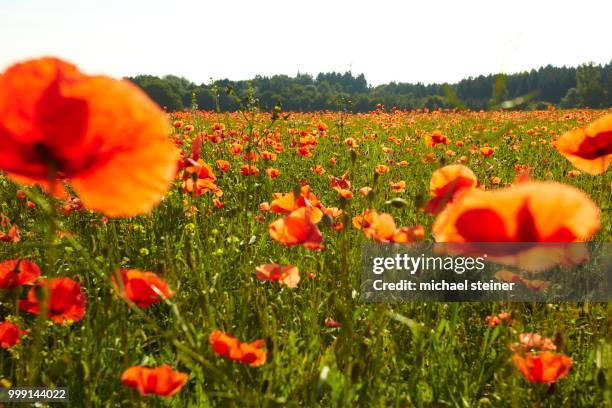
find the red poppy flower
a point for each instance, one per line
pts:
(287, 203)
(104, 136)
(199, 178)
(545, 367)
(436, 138)
(381, 227)
(66, 301)
(299, 227)
(495, 320)
(223, 165)
(143, 288)
(527, 212)
(162, 381)
(486, 151)
(10, 334)
(446, 183)
(590, 148)
(288, 275)
(230, 347)
(273, 173)
(18, 272)
(381, 169)
(364, 191)
(398, 187)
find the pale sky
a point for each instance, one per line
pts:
(403, 41)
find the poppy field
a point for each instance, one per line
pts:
(203, 258)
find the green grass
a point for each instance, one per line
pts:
(411, 354)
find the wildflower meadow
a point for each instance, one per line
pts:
(206, 258)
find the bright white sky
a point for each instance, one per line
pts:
(405, 41)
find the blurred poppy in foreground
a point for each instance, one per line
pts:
(18, 272)
(288, 275)
(143, 288)
(10, 334)
(530, 212)
(299, 227)
(105, 137)
(527, 212)
(230, 347)
(589, 148)
(65, 300)
(545, 367)
(446, 183)
(162, 381)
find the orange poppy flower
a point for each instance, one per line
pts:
(446, 183)
(287, 203)
(545, 367)
(531, 212)
(12, 233)
(66, 301)
(528, 212)
(249, 170)
(288, 275)
(236, 148)
(18, 272)
(589, 148)
(436, 138)
(344, 193)
(333, 212)
(381, 169)
(318, 169)
(230, 347)
(364, 191)
(162, 381)
(299, 227)
(351, 142)
(105, 137)
(268, 156)
(223, 165)
(143, 288)
(199, 178)
(495, 320)
(486, 151)
(340, 182)
(251, 157)
(10, 334)
(398, 187)
(381, 227)
(273, 173)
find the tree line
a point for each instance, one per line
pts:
(588, 85)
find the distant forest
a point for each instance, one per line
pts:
(588, 85)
